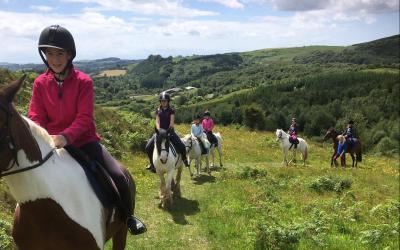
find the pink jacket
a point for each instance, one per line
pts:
(65, 109)
(208, 124)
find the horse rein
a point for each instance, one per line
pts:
(9, 139)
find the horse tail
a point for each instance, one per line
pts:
(305, 152)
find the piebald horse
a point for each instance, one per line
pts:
(57, 208)
(284, 139)
(166, 159)
(193, 150)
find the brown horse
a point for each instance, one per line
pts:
(57, 208)
(354, 149)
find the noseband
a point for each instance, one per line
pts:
(6, 138)
(191, 144)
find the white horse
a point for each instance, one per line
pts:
(193, 150)
(166, 159)
(219, 148)
(302, 146)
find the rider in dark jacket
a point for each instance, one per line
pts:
(165, 117)
(349, 133)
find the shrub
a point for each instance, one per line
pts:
(322, 184)
(6, 240)
(387, 146)
(276, 237)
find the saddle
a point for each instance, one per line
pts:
(98, 177)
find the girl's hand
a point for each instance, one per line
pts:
(59, 141)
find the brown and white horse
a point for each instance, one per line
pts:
(57, 208)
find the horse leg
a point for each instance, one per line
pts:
(190, 169)
(168, 196)
(333, 160)
(177, 189)
(353, 160)
(162, 190)
(285, 158)
(198, 166)
(119, 238)
(220, 156)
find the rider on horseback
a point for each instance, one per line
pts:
(349, 134)
(208, 125)
(165, 119)
(62, 103)
(293, 134)
(197, 131)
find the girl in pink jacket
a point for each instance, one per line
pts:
(62, 103)
(208, 126)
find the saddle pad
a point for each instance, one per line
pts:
(100, 181)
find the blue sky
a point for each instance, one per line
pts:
(134, 29)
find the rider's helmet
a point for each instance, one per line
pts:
(207, 113)
(351, 122)
(57, 37)
(164, 96)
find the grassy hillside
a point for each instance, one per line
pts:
(255, 203)
(322, 86)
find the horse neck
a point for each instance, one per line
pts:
(24, 186)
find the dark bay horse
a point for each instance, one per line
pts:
(57, 208)
(354, 150)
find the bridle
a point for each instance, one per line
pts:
(6, 138)
(191, 144)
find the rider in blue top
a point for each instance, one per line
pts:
(165, 119)
(197, 131)
(341, 150)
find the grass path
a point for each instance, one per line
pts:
(253, 197)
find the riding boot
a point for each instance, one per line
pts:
(135, 226)
(150, 167)
(291, 145)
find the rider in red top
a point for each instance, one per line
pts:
(62, 103)
(208, 126)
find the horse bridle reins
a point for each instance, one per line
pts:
(7, 138)
(191, 144)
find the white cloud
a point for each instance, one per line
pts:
(366, 6)
(155, 7)
(98, 35)
(234, 4)
(42, 8)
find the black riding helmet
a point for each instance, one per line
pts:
(207, 113)
(57, 37)
(164, 96)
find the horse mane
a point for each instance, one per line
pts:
(23, 138)
(39, 131)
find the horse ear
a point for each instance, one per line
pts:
(12, 89)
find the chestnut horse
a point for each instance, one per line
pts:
(351, 149)
(57, 208)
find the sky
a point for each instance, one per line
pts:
(134, 29)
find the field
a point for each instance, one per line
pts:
(255, 203)
(112, 72)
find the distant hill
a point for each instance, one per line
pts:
(382, 51)
(88, 66)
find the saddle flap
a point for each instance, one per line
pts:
(100, 181)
